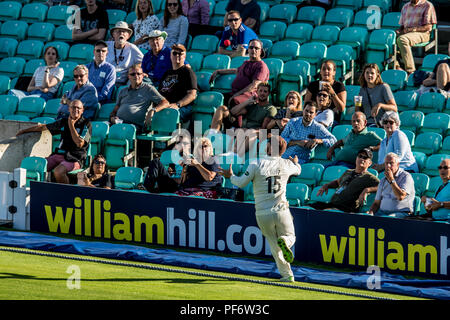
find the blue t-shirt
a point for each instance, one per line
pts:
(156, 66)
(443, 195)
(243, 36)
(103, 78)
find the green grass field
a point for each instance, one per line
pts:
(30, 277)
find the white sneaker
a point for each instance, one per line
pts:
(287, 279)
(287, 252)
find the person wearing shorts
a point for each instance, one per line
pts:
(75, 138)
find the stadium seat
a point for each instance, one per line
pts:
(299, 32)
(172, 157)
(313, 52)
(8, 104)
(430, 61)
(14, 29)
(214, 62)
(203, 80)
(51, 108)
(272, 30)
(432, 163)
(43, 120)
(428, 143)
(12, 66)
(325, 197)
(8, 47)
(59, 15)
(382, 5)
(282, 12)
(99, 134)
(294, 77)
(120, 145)
(340, 131)
(310, 175)
(352, 91)
(104, 112)
(340, 17)
(430, 102)
(30, 49)
(326, 34)
(380, 47)
(222, 83)
(81, 53)
(411, 120)
(285, 50)
(68, 67)
(63, 33)
(31, 107)
(332, 173)
(436, 122)
(410, 135)
(17, 117)
(346, 116)
(275, 66)
(354, 5)
(10, 10)
(42, 31)
(34, 12)
(391, 20)
(127, 178)
(114, 16)
(62, 48)
(421, 159)
(396, 79)
(433, 185)
(406, 100)
(205, 44)
(236, 62)
(343, 57)
(355, 37)
(36, 169)
(5, 84)
(267, 46)
(195, 60)
(367, 19)
(379, 131)
(311, 14)
(31, 66)
(297, 194)
(421, 182)
(204, 107)
(131, 17)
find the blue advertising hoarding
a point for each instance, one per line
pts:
(347, 240)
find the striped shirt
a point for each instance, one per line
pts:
(296, 130)
(421, 14)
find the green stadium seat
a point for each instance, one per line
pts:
(355, 37)
(421, 183)
(8, 104)
(127, 178)
(236, 62)
(311, 14)
(341, 17)
(297, 194)
(379, 131)
(294, 76)
(355, 5)
(30, 49)
(17, 117)
(436, 122)
(325, 197)
(380, 47)
(5, 84)
(430, 61)
(31, 66)
(326, 34)
(445, 145)
(131, 17)
(410, 135)
(421, 159)
(222, 83)
(51, 108)
(81, 53)
(352, 91)
(36, 169)
(104, 112)
(14, 29)
(332, 173)
(299, 32)
(428, 143)
(63, 33)
(114, 16)
(10, 10)
(120, 145)
(406, 100)
(311, 174)
(285, 50)
(382, 5)
(68, 67)
(430, 102)
(59, 15)
(343, 57)
(282, 12)
(396, 79)
(204, 44)
(42, 31)
(100, 130)
(203, 80)
(8, 47)
(62, 48)
(411, 120)
(433, 186)
(432, 163)
(391, 20)
(12, 66)
(313, 52)
(272, 30)
(172, 157)
(204, 107)
(195, 60)
(34, 12)
(340, 131)
(214, 62)
(276, 67)
(31, 107)
(43, 120)
(367, 19)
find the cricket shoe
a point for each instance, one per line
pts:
(287, 252)
(287, 279)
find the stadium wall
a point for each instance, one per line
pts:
(345, 240)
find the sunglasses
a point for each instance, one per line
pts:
(323, 95)
(234, 19)
(388, 122)
(134, 74)
(76, 76)
(99, 162)
(254, 48)
(177, 53)
(361, 156)
(172, 4)
(443, 167)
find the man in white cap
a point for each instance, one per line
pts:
(270, 176)
(121, 53)
(92, 23)
(157, 60)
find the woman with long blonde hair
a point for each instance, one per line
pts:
(146, 21)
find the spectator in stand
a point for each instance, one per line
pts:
(199, 176)
(351, 187)
(248, 75)
(377, 97)
(46, 79)
(395, 194)
(121, 53)
(175, 23)
(72, 152)
(197, 11)
(440, 77)
(397, 142)
(336, 89)
(94, 23)
(416, 22)
(359, 138)
(179, 84)
(236, 35)
(124, 5)
(325, 115)
(136, 102)
(98, 176)
(303, 134)
(249, 11)
(102, 74)
(84, 91)
(146, 21)
(293, 108)
(438, 207)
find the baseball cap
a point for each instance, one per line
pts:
(367, 152)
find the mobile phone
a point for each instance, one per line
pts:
(311, 136)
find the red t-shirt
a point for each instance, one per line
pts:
(248, 72)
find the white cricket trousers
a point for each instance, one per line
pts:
(274, 225)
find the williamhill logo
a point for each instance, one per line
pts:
(367, 246)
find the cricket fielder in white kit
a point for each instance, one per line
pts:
(270, 176)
